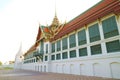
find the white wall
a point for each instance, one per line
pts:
(101, 67)
(108, 66)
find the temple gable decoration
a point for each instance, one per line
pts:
(48, 32)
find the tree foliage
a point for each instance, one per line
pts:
(0, 63)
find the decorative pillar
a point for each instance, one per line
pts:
(103, 45)
(68, 50)
(118, 22)
(88, 41)
(77, 51)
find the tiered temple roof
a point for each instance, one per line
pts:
(57, 30)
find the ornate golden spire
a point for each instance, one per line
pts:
(55, 21)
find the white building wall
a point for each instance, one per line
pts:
(107, 66)
(101, 65)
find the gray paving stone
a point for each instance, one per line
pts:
(32, 75)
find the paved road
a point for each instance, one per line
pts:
(32, 75)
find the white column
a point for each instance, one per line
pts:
(49, 58)
(88, 41)
(55, 56)
(61, 48)
(61, 45)
(68, 52)
(118, 22)
(49, 48)
(68, 47)
(103, 45)
(44, 50)
(77, 52)
(68, 42)
(49, 52)
(55, 47)
(43, 58)
(76, 35)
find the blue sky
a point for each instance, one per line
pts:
(4, 3)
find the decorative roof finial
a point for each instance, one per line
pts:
(55, 9)
(55, 21)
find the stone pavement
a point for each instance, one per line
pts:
(32, 75)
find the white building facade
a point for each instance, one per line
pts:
(92, 49)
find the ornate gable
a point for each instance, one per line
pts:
(55, 24)
(49, 32)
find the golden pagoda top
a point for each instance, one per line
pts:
(55, 21)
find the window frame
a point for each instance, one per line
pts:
(58, 45)
(108, 43)
(72, 40)
(58, 56)
(46, 58)
(81, 42)
(71, 54)
(52, 57)
(94, 47)
(117, 33)
(63, 55)
(53, 50)
(94, 37)
(82, 53)
(65, 46)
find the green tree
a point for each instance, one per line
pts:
(0, 63)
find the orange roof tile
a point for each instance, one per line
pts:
(103, 8)
(46, 29)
